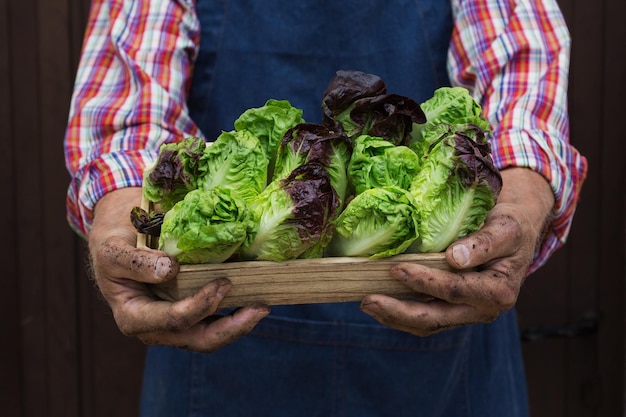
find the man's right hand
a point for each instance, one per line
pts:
(123, 272)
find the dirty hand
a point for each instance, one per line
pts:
(500, 254)
(123, 272)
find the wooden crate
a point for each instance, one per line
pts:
(298, 281)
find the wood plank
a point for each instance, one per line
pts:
(110, 364)
(55, 77)
(28, 203)
(584, 242)
(298, 281)
(10, 356)
(611, 271)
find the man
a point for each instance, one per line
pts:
(157, 71)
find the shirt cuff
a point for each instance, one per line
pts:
(563, 168)
(107, 173)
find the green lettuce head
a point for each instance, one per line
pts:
(236, 161)
(175, 172)
(450, 106)
(269, 123)
(376, 162)
(455, 189)
(207, 226)
(378, 223)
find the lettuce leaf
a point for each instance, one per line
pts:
(447, 106)
(378, 223)
(269, 123)
(357, 103)
(309, 142)
(292, 216)
(236, 161)
(376, 162)
(207, 226)
(455, 189)
(175, 172)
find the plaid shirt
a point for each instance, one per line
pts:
(137, 59)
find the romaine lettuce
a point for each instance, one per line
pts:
(269, 123)
(309, 142)
(376, 162)
(389, 116)
(292, 216)
(378, 223)
(175, 172)
(207, 226)
(357, 104)
(449, 106)
(344, 88)
(455, 189)
(237, 161)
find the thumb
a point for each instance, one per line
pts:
(500, 236)
(117, 259)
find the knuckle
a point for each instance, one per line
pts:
(505, 298)
(508, 226)
(139, 261)
(126, 328)
(175, 323)
(104, 253)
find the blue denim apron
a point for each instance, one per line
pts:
(329, 359)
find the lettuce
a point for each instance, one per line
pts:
(269, 123)
(455, 189)
(378, 223)
(207, 226)
(447, 106)
(308, 142)
(346, 87)
(357, 104)
(292, 216)
(175, 172)
(381, 175)
(376, 162)
(236, 161)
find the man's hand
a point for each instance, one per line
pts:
(122, 273)
(500, 252)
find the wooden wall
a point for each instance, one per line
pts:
(584, 376)
(61, 354)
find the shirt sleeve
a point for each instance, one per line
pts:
(129, 96)
(514, 57)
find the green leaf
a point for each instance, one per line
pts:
(376, 162)
(207, 226)
(236, 161)
(378, 223)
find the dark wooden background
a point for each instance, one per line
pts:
(61, 354)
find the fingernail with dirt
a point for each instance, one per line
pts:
(369, 306)
(399, 273)
(163, 267)
(460, 253)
